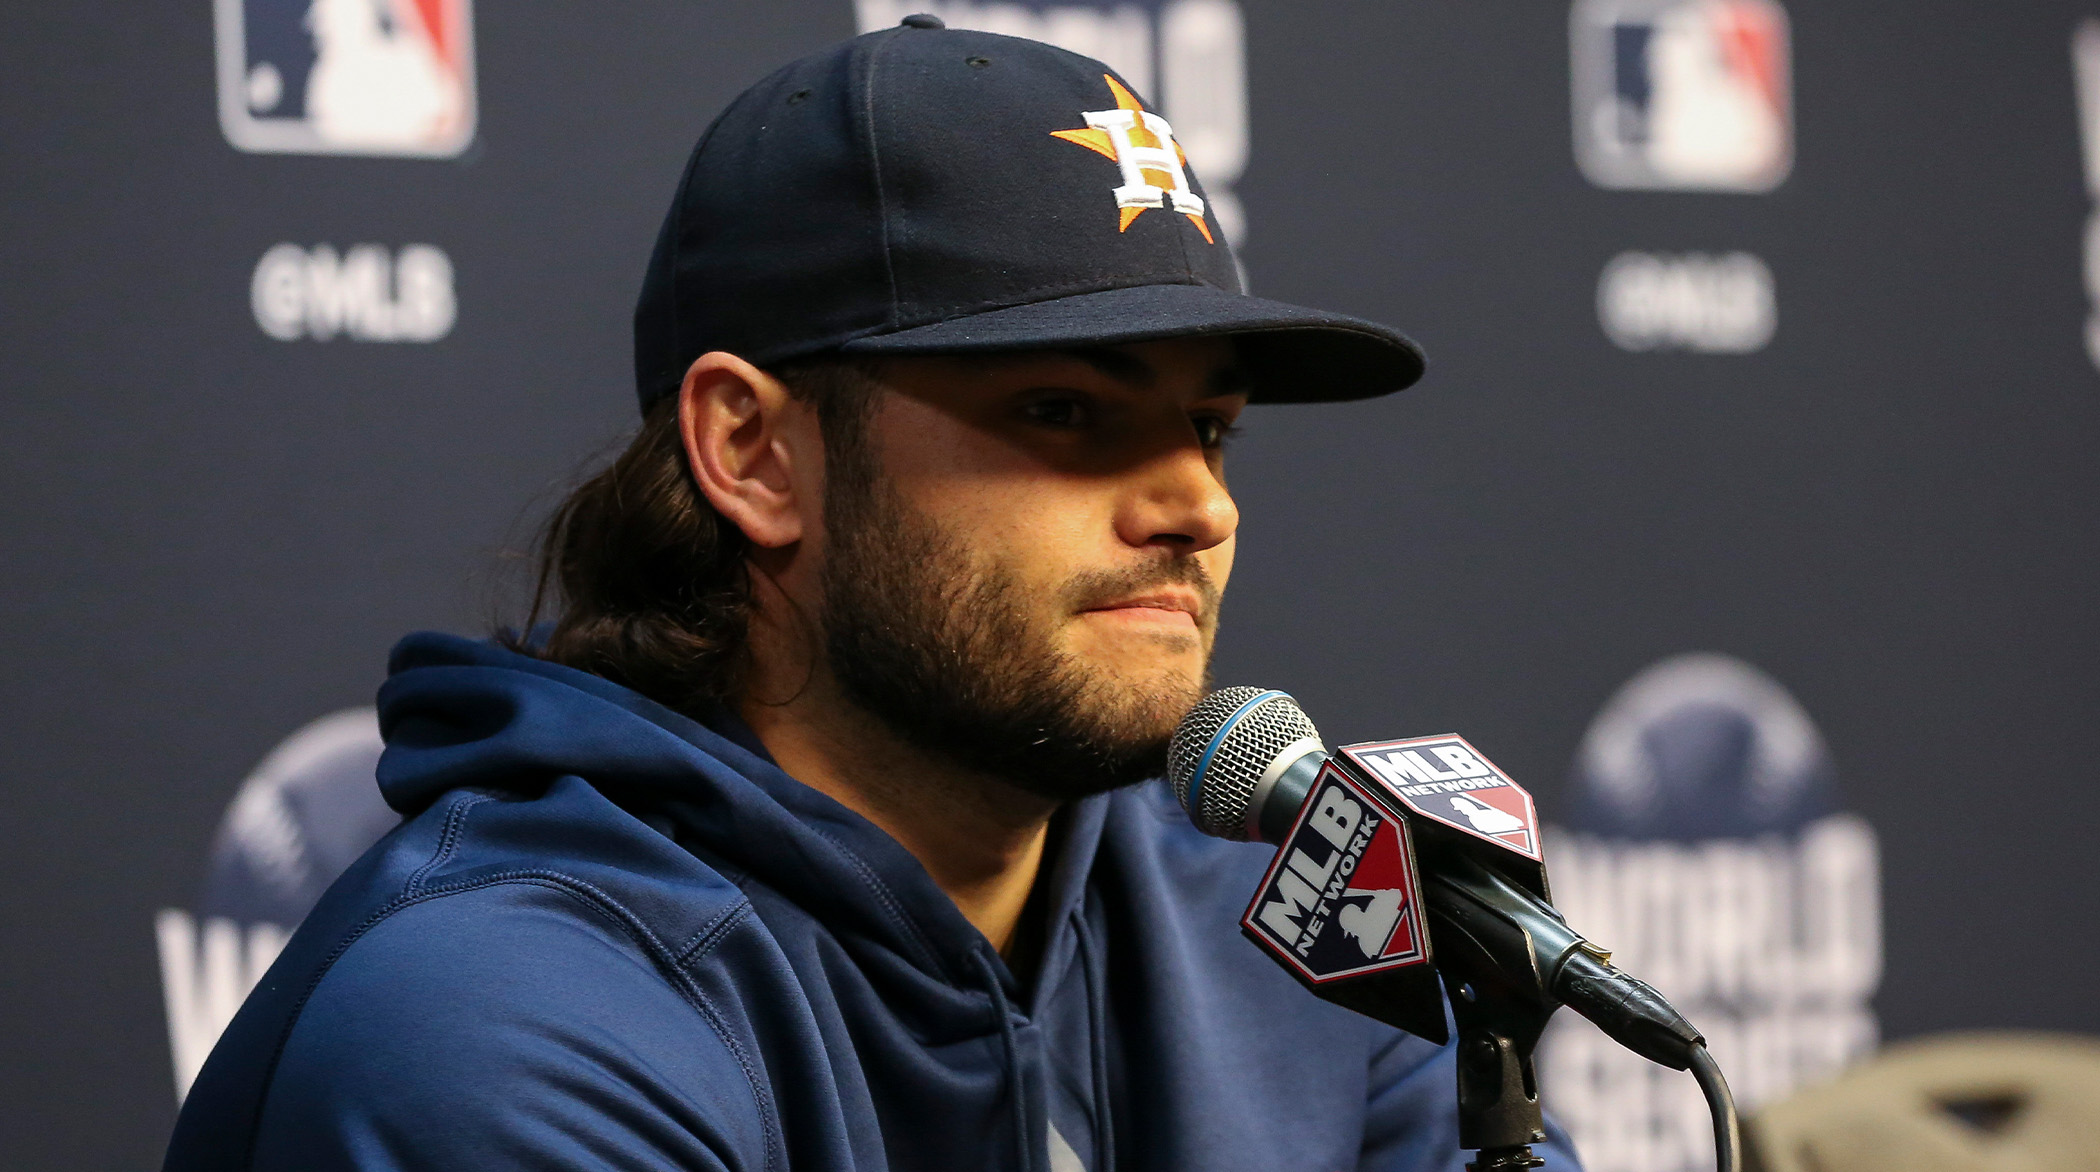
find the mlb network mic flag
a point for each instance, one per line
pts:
(1341, 905)
(346, 77)
(1342, 898)
(1449, 781)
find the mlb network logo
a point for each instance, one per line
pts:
(1692, 95)
(346, 77)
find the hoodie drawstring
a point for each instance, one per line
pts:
(1023, 1149)
(1097, 1040)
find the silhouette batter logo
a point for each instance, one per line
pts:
(346, 77)
(1685, 94)
(1383, 923)
(1154, 169)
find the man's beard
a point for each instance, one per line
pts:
(946, 650)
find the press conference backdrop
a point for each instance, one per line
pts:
(1749, 513)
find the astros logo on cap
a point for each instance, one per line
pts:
(1143, 146)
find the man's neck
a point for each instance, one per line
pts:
(980, 838)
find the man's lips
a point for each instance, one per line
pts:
(1161, 606)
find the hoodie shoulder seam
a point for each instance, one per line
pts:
(706, 938)
(448, 841)
(595, 900)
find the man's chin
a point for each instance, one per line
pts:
(1147, 700)
(1148, 657)
(1169, 689)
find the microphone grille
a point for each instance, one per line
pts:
(1223, 746)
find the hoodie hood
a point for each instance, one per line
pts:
(462, 714)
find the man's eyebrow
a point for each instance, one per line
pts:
(1116, 364)
(1232, 380)
(1125, 367)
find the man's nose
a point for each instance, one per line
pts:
(1179, 501)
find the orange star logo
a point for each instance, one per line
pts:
(1153, 166)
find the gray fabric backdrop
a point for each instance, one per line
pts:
(1892, 507)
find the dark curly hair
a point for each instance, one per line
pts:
(645, 583)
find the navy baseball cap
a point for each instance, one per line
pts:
(925, 190)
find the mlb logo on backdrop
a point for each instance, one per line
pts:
(346, 77)
(1692, 95)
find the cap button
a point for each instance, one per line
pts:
(923, 20)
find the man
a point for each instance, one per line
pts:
(808, 834)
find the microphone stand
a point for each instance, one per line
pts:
(1498, 1093)
(1500, 1015)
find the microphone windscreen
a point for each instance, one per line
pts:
(1224, 748)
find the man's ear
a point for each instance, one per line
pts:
(755, 451)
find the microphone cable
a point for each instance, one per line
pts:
(1728, 1129)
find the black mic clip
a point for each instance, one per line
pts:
(1500, 1016)
(1479, 922)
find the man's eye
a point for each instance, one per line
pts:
(1213, 431)
(1062, 411)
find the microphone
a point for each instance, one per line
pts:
(1399, 860)
(1244, 761)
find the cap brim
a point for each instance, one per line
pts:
(1298, 355)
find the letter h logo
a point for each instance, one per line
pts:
(1144, 166)
(1153, 167)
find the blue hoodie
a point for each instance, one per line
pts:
(608, 936)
